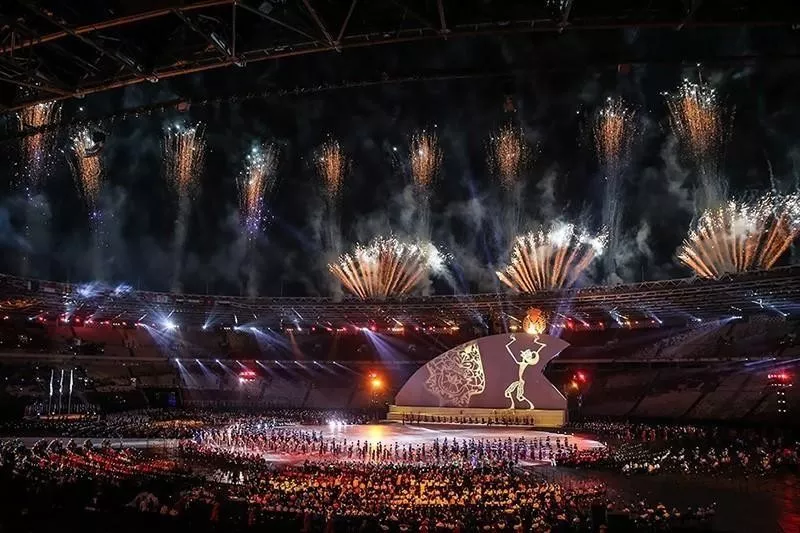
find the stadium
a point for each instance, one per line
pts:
(402, 265)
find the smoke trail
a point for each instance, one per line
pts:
(702, 124)
(508, 156)
(332, 165)
(87, 169)
(614, 129)
(255, 183)
(425, 161)
(184, 155)
(36, 150)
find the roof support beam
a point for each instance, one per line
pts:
(22, 30)
(277, 21)
(314, 46)
(233, 30)
(408, 11)
(113, 56)
(346, 21)
(28, 85)
(112, 23)
(442, 19)
(221, 48)
(319, 23)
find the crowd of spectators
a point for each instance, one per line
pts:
(271, 469)
(165, 424)
(686, 449)
(477, 494)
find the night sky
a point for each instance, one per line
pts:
(555, 84)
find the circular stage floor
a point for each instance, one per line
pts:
(391, 432)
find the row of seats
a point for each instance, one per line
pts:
(725, 339)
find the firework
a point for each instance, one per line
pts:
(613, 130)
(386, 267)
(426, 158)
(87, 167)
(254, 184)
(37, 148)
(551, 259)
(508, 155)
(701, 124)
(332, 166)
(184, 155)
(740, 236)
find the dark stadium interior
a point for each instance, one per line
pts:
(283, 265)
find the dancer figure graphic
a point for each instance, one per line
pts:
(525, 359)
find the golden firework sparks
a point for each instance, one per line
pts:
(332, 165)
(254, 183)
(740, 236)
(613, 131)
(426, 158)
(37, 148)
(386, 267)
(184, 156)
(701, 125)
(551, 258)
(508, 155)
(87, 167)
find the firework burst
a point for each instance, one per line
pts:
(184, 155)
(551, 259)
(508, 155)
(332, 165)
(613, 130)
(87, 167)
(426, 158)
(255, 183)
(37, 148)
(701, 124)
(740, 236)
(387, 267)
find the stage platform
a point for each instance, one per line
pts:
(539, 418)
(391, 432)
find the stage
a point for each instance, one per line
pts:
(540, 418)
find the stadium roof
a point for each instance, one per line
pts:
(56, 50)
(774, 291)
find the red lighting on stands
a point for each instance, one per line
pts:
(782, 376)
(247, 376)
